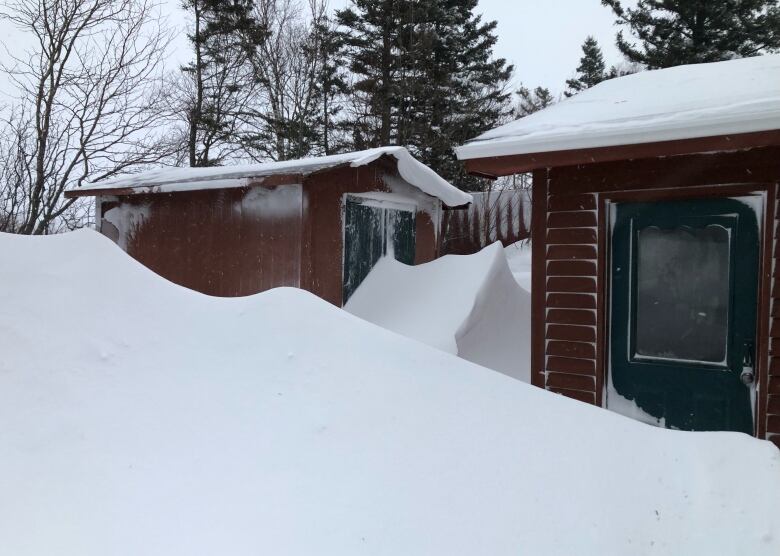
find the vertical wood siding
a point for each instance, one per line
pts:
(492, 217)
(772, 387)
(224, 242)
(229, 242)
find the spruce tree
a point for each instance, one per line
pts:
(530, 101)
(591, 70)
(223, 35)
(429, 78)
(674, 32)
(331, 86)
(459, 89)
(370, 37)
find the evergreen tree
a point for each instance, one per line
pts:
(299, 81)
(532, 101)
(457, 89)
(624, 68)
(224, 34)
(429, 80)
(331, 86)
(591, 70)
(371, 39)
(674, 32)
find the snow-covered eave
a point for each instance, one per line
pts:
(187, 185)
(608, 134)
(424, 178)
(505, 157)
(410, 169)
(673, 104)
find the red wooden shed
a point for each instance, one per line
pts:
(655, 243)
(318, 224)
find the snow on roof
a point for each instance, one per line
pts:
(173, 423)
(188, 179)
(683, 102)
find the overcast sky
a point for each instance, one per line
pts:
(541, 38)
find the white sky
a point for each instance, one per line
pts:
(541, 38)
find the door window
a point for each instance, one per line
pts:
(682, 290)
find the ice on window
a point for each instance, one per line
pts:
(682, 289)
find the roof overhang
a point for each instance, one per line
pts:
(495, 166)
(185, 186)
(271, 174)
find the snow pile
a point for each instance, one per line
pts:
(468, 305)
(217, 177)
(140, 418)
(683, 102)
(518, 256)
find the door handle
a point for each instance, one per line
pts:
(748, 374)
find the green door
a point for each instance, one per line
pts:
(370, 232)
(683, 326)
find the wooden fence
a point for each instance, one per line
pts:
(503, 216)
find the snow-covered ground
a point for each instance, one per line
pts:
(468, 305)
(140, 418)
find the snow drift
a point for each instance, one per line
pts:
(468, 305)
(137, 417)
(518, 256)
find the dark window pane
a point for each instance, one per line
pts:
(683, 293)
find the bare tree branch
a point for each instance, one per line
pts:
(91, 104)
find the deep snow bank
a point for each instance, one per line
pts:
(469, 305)
(140, 418)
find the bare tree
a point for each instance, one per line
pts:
(264, 83)
(298, 81)
(15, 178)
(90, 104)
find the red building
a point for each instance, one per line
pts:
(319, 224)
(654, 228)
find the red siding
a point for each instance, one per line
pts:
(491, 217)
(213, 241)
(222, 242)
(570, 262)
(571, 288)
(323, 225)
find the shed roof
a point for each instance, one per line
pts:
(683, 102)
(165, 180)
